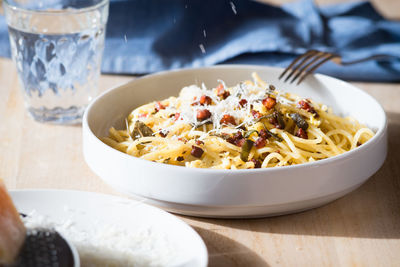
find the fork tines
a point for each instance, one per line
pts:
(306, 64)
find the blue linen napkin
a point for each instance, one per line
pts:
(145, 36)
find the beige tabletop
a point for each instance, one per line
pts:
(360, 229)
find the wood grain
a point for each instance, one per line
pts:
(360, 229)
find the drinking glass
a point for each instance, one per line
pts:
(57, 46)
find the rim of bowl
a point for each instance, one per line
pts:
(74, 250)
(204, 253)
(380, 132)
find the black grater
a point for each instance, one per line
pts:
(45, 248)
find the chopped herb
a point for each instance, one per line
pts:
(273, 135)
(272, 115)
(300, 122)
(246, 147)
(141, 130)
(280, 120)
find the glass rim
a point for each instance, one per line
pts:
(56, 12)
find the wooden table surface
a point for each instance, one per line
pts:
(360, 229)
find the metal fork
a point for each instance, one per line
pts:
(308, 62)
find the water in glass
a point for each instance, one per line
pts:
(58, 66)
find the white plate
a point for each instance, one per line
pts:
(233, 193)
(85, 211)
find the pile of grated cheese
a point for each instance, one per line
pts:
(101, 244)
(252, 92)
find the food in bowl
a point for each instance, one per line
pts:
(249, 125)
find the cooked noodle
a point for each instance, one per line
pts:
(250, 125)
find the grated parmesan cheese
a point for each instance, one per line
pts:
(253, 93)
(101, 244)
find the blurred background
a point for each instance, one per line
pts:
(147, 36)
(388, 8)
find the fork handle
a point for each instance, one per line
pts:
(378, 56)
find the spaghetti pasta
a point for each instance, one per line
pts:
(249, 125)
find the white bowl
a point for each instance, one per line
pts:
(233, 193)
(89, 213)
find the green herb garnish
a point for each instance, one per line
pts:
(279, 118)
(246, 148)
(300, 122)
(141, 130)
